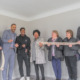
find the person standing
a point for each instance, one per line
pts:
(8, 39)
(23, 53)
(38, 55)
(55, 53)
(70, 52)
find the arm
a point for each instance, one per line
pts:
(48, 47)
(60, 47)
(17, 41)
(28, 44)
(41, 45)
(4, 37)
(74, 47)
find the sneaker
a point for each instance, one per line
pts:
(28, 78)
(22, 78)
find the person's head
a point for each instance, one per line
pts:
(69, 33)
(13, 27)
(36, 34)
(55, 34)
(22, 31)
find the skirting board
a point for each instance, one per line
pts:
(47, 78)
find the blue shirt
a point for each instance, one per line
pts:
(7, 35)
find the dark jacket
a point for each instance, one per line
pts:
(1, 43)
(58, 50)
(70, 51)
(78, 33)
(23, 40)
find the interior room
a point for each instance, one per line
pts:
(46, 16)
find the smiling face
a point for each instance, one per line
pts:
(54, 35)
(36, 35)
(13, 28)
(22, 32)
(68, 35)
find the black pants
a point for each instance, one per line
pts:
(71, 62)
(24, 57)
(37, 70)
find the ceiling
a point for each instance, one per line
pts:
(29, 10)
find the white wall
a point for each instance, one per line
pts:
(60, 22)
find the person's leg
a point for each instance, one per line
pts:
(58, 69)
(20, 63)
(68, 64)
(54, 66)
(42, 71)
(36, 70)
(73, 62)
(4, 72)
(27, 63)
(11, 64)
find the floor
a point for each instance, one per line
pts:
(32, 78)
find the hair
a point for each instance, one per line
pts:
(13, 24)
(55, 31)
(22, 28)
(70, 31)
(37, 32)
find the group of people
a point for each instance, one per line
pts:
(25, 49)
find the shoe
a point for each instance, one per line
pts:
(37, 78)
(27, 78)
(43, 78)
(69, 79)
(22, 78)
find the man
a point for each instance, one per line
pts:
(23, 53)
(8, 39)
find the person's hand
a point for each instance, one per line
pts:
(78, 42)
(26, 50)
(70, 45)
(23, 45)
(0, 48)
(16, 45)
(40, 44)
(48, 44)
(10, 40)
(57, 45)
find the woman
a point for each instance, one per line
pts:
(38, 55)
(70, 52)
(55, 54)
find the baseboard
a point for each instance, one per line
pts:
(50, 78)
